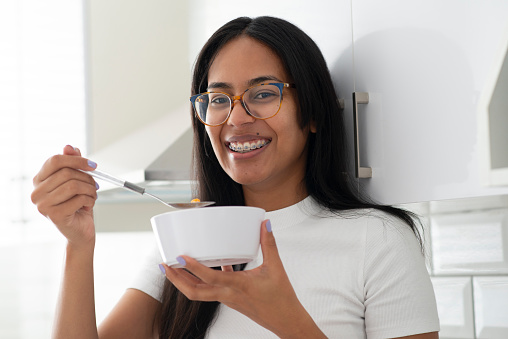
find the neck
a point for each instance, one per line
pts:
(275, 198)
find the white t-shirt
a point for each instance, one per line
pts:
(361, 275)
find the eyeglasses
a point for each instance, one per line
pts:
(261, 101)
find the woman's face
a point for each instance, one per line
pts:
(277, 167)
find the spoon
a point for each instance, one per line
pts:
(138, 189)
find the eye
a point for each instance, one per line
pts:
(219, 100)
(264, 95)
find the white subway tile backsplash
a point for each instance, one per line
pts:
(454, 297)
(491, 307)
(470, 243)
(469, 264)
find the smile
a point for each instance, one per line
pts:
(244, 147)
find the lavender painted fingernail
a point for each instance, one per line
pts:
(92, 164)
(96, 185)
(181, 261)
(162, 268)
(268, 226)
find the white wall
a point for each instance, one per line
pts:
(137, 65)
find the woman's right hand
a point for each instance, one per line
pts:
(66, 196)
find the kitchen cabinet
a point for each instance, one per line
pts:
(426, 66)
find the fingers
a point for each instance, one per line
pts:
(227, 268)
(59, 184)
(60, 190)
(64, 175)
(192, 285)
(60, 169)
(65, 211)
(206, 274)
(183, 275)
(65, 199)
(268, 245)
(69, 150)
(70, 159)
(63, 185)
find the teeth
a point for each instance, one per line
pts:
(248, 146)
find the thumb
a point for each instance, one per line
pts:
(268, 245)
(69, 150)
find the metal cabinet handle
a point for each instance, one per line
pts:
(359, 98)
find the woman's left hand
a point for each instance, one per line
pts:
(263, 294)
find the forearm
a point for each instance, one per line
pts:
(296, 325)
(309, 329)
(75, 313)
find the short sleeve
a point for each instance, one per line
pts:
(399, 297)
(149, 278)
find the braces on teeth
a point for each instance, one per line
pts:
(247, 146)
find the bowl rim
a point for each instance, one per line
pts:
(207, 209)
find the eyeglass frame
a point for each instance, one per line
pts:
(280, 85)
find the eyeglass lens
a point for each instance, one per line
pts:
(262, 101)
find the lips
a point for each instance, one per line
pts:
(247, 146)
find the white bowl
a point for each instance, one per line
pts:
(214, 236)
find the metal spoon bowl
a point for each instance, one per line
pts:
(181, 205)
(185, 205)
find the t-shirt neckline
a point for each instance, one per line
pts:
(292, 215)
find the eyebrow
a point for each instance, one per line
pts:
(251, 82)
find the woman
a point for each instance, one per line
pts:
(268, 133)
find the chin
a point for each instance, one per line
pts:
(246, 179)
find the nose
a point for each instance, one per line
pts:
(239, 115)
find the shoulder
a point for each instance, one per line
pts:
(380, 234)
(384, 229)
(379, 226)
(375, 221)
(392, 249)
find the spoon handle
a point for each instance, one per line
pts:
(115, 181)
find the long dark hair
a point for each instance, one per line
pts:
(326, 177)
